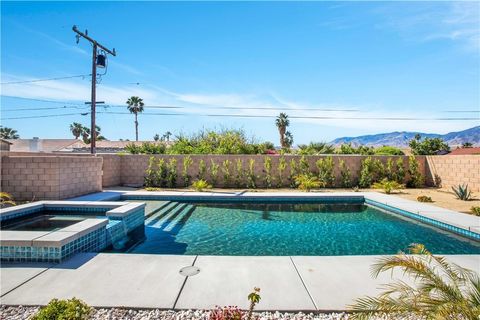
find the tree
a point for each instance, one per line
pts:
(8, 133)
(135, 106)
(288, 139)
(166, 136)
(77, 129)
(467, 145)
(86, 134)
(443, 290)
(427, 146)
(282, 123)
(156, 137)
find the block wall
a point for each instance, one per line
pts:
(454, 170)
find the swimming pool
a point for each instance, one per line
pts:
(281, 229)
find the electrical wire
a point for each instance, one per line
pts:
(48, 108)
(41, 100)
(46, 79)
(47, 116)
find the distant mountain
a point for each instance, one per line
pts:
(401, 139)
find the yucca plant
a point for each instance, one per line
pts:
(388, 186)
(6, 199)
(462, 192)
(442, 290)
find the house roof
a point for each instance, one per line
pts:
(44, 145)
(465, 151)
(5, 141)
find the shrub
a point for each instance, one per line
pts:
(187, 162)
(146, 148)
(325, 171)
(424, 199)
(267, 165)
(161, 174)
(366, 173)
(72, 309)
(202, 170)
(227, 313)
(6, 200)
(227, 176)
(214, 171)
(251, 177)
(307, 182)
(303, 166)
(150, 179)
(427, 146)
(347, 148)
(399, 174)
(416, 179)
(315, 148)
(282, 165)
(293, 173)
(475, 210)
(238, 172)
(388, 186)
(345, 174)
(171, 179)
(462, 192)
(153, 189)
(388, 151)
(201, 185)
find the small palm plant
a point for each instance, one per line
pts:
(201, 185)
(6, 199)
(462, 192)
(443, 290)
(307, 182)
(388, 185)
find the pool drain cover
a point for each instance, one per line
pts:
(189, 271)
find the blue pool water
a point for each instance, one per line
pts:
(288, 229)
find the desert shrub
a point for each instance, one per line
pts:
(251, 177)
(462, 192)
(399, 174)
(366, 173)
(161, 172)
(307, 182)
(214, 171)
(227, 175)
(424, 199)
(238, 172)
(227, 313)
(171, 178)
(267, 165)
(415, 177)
(187, 162)
(293, 173)
(475, 210)
(150, 179)
(303, 166)
(325, 171)
(72, 309)
(388, 185)
(282, 165)
(390, 170)
(202, 170)
(200, 185)
(388, 151)
(153, 189)
(345, 174)
(437, 181)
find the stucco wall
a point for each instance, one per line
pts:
(454, 170)
(50, 177)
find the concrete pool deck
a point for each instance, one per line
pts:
(153, 281)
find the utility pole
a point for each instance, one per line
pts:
(95, 45)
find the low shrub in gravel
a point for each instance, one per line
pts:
(72, 309)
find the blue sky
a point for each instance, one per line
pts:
(355, 59)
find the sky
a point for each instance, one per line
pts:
(336, 68)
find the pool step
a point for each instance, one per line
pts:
(172, 214)
(160, 214)
(180, 218)
(157, 208)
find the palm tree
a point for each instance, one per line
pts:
(77, 129)
(156, 137)
(86, 134)
(282, 123)
(135, 106)
(8, 133)
(444, 290)
(167, 135)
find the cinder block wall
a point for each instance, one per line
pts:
(112, 170)
(133, 167)
(50, 177)
(454, 170)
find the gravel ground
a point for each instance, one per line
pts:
(21, 312)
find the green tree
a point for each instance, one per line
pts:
(86, 136)
(77, 129)
(166, 136)
(8, 133)
(282, 123)
(135, 106)
(156, 137)
(427, 146)
(467, 145)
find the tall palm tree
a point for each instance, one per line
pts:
(86, 134)
(282, 123)
(443, 290)
(135, 106)
(8, 133)
(167, 135)
(77, 129)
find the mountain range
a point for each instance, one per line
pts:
(401, 139)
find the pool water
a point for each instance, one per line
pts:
(42, 223)
(289, 229)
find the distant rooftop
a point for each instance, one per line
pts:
(465, 151)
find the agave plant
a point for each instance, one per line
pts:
(443, 290)
(462, 192)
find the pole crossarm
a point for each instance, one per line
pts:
(83, 35)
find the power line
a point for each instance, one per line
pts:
(41, 100)
(46, 79)
(47, 116)
(48, 108)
